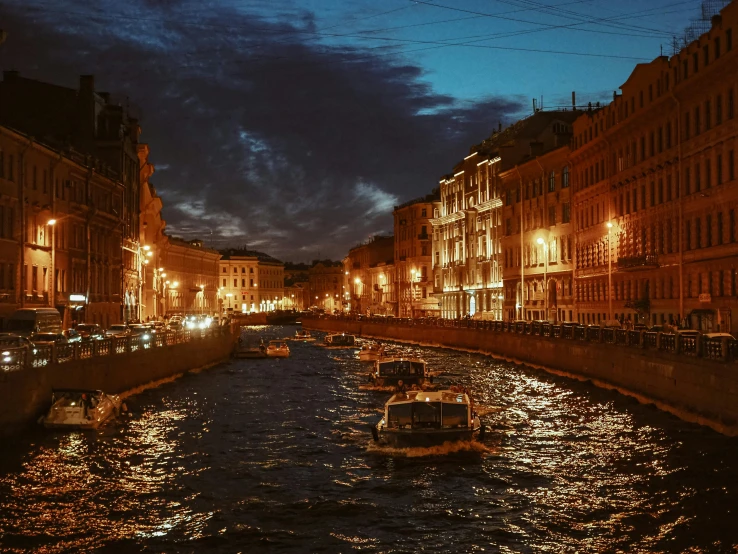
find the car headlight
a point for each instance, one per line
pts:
(145, 336)
(7, 359)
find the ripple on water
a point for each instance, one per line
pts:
(276, 455)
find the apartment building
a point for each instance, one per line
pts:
(655, 193)
(414, 257)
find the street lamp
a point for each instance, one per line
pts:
(609, 271)
(202, 299)
(545, 276)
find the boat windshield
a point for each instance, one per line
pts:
(400, 367)
(454, 415)
(400, 416)
(426, 415)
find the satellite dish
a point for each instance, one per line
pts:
(3, 36)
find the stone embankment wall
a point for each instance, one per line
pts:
(694, 389)
(25, 394)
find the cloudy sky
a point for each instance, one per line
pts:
(295, 126)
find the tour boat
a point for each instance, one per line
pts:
(80, 409)
(422, 419)
(341, 340)
(371, 352)
(278, 349)
(246, 349)
(398, 372)
(304, 336)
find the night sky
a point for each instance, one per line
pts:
(294, 127)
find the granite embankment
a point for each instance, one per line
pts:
(694, 389)
(121, 366)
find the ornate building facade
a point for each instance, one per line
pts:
(655, 192)
(250, 281)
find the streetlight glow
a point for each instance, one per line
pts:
(51, 222)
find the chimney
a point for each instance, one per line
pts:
(499, 126)
(573, 100)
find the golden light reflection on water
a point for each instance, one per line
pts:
(279, 458)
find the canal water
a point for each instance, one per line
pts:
(275, 456)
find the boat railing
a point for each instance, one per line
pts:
(40, 355)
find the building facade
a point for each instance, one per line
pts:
(189, 280)
(655, 193)
(362, 296)
(414, 257)
(250, 281)
(102, 135)
(61, 247)
(538, 203)
(326, 286)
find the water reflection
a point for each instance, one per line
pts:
(262, 455)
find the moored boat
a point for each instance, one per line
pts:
(399, 372)
(371, 352)
(303, 336)
(278, 349)
(340, 340)
(424, 419)
(80, 409)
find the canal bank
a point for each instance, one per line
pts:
(693, 389)
(114, 366)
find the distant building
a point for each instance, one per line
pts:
(365, 288)
(326, 289)
(414, 257)
(251, 281)
(190, 285)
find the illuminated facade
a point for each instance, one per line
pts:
(537, 200)
(414, 258)
(658, 166)
(70, 257)
(250, 281)
(467, 270)
(361, 275)
(326, 286)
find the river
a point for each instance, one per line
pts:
(275, 456)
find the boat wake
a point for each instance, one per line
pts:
(444, 449)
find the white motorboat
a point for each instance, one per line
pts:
(424, 419)
(371, 352)
(303, 336)
(399, 372)
(80, 409)
(339, 340)
(278, 349)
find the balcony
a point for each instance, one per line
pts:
(634, 263)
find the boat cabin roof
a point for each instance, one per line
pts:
(445, 396)
(277, 343)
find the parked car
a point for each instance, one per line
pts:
(72, 335)
(35, 320)
(48, 338)
(90, 331)
(118, 330)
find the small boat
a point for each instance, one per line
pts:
(303, 336)
(278, 349)
(424, 419)
(341, 340)
(399, 372)
(246, 349)
(80, 409)
(371, 352)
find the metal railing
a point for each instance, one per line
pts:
(680, 342)
(40, 355)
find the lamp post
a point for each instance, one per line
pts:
(412, 291)
(357, 282)
(545, 277)
(609, 271)
(202, 299)
(51, 223)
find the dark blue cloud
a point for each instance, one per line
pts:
(262, 134)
